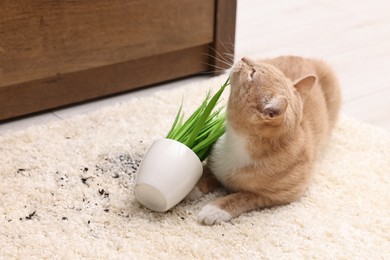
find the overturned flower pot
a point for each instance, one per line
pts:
(173, 165)
(168, 172)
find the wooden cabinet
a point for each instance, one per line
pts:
(55, 53)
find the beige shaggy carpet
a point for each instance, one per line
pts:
(66, 192)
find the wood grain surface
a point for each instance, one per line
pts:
(40, 38)
(224, 36)
(55, 53)
(73, 87)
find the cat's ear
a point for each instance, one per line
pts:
(273, 111)
(304, 85)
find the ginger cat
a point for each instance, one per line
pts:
(280, 114)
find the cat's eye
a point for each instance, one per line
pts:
(252, 73)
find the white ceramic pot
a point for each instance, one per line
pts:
(167, 174)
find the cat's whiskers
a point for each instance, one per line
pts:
(212, 72)
(220, 55)
(227, 51)
(230, 55)
(215, 66)
(220, 60)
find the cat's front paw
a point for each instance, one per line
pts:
(210, 215)
(195, 194)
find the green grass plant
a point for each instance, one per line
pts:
(203, 128)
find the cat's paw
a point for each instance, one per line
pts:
(210, 215)
(194, 194)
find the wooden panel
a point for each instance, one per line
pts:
(40, 38)
(224, 36)
(55, 53)
(63, 89)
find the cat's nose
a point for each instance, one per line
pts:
(248, 61)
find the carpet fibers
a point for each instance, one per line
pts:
(66, 192)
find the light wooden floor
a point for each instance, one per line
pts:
(353, 36)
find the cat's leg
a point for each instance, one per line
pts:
(206, 184)
(228, 207)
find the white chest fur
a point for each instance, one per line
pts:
(229, 154)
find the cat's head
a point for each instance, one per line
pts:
(263, 99)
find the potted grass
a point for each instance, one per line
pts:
(173, 165)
